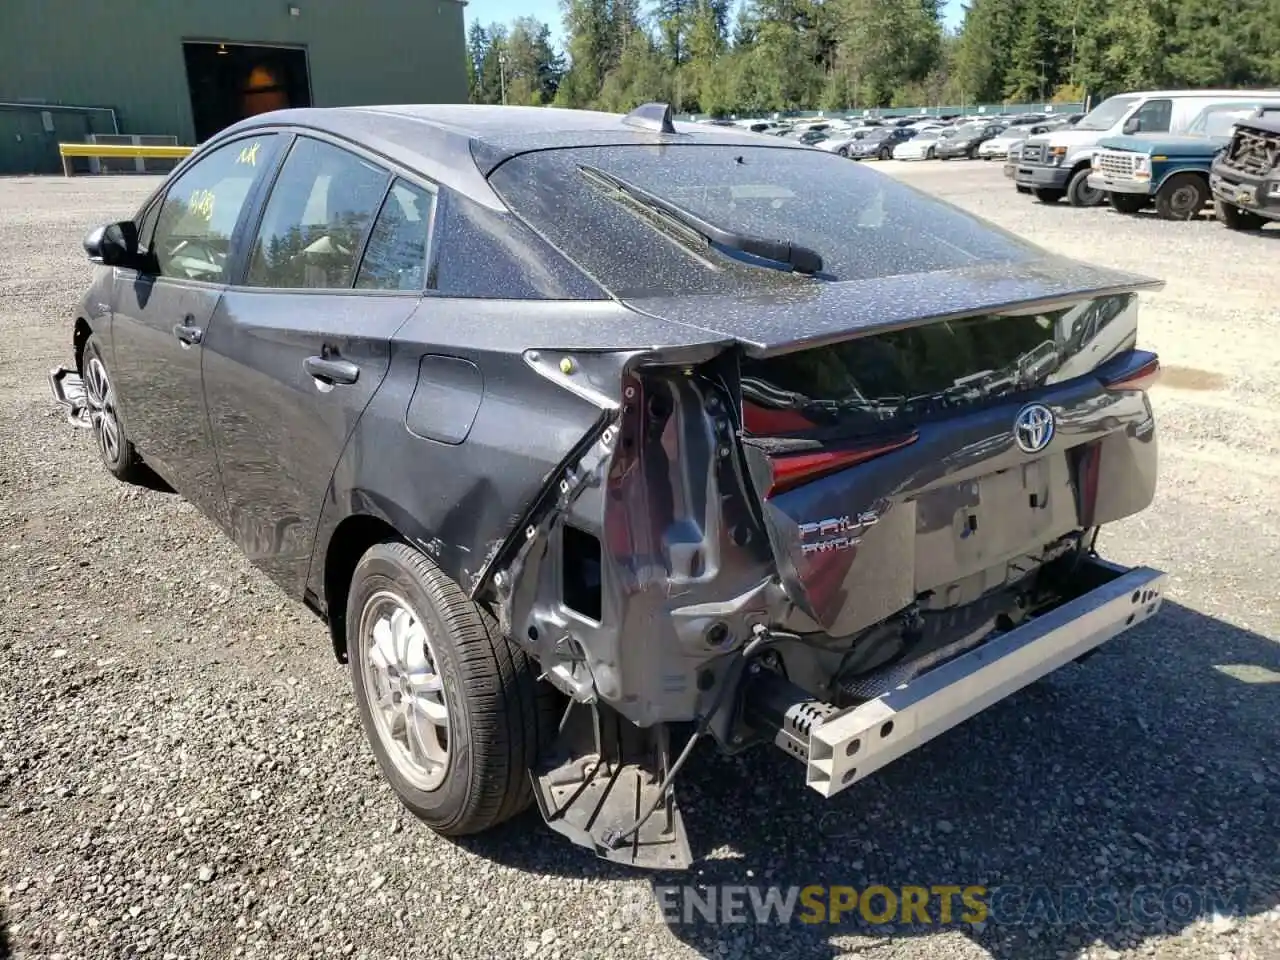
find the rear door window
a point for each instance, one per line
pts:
(864, 224)
(316, 219)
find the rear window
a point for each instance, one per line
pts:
(864, 224)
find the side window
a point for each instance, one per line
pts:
(192, 236)
(320, 209)
(396, 255)
(1154, 116)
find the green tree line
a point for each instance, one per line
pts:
(710, 57)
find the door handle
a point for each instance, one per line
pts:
(331, 371)
(189, 336)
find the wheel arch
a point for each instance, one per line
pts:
(79, 337)
(1176, 171)
(350, 540)
(1084, 163)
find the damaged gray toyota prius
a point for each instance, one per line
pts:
(596, 437)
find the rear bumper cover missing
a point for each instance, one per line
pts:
(849, 745)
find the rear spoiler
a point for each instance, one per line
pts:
(776, 322)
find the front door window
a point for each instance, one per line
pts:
(192, 238)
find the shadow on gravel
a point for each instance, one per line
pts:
(1129, 797)
(148, 479)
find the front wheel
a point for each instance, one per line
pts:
(114, 445)
(1129, 202)
(844, 152)
(1080, 194)
(1182, 197)
(929, 154)
(452, 709)
(1233, 218)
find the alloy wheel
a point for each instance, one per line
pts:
(406, 691)
(102, 409)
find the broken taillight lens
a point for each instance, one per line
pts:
(792, 470)
(1139, 378)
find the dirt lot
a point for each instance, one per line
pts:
(182, 773)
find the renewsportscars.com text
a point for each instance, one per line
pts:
(946, 904)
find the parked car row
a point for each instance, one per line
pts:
(988, 139)
(1175, 151)
(922, 138)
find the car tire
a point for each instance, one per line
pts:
(474, 720)
(929, 154)
(883, 155)
(844, 152)
(1080, 194)
(1129, 202)
(1233, 218)
(1047, 194)
(1182, 197)
(114, 446)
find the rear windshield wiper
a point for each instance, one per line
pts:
(800, 259)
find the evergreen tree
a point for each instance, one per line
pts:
(774, 55)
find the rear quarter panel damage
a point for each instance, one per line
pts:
(465, 432)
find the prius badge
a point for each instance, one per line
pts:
(836, 533)
(1033, 427)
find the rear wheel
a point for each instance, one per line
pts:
(1182, 196)
(884, 153)
(929, 154)
(1129, 202)
(1047, 194)
(1080, 194)
(452, 709)
(114, 446)
(1233, 218)
(844, 152)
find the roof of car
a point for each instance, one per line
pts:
(458, 145)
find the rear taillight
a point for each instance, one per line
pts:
(791, 470)
(1136, 378)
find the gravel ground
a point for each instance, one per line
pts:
(182, 773)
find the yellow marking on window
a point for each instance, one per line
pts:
(249, 155)
(202, 203)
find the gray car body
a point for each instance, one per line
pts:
(482, 411)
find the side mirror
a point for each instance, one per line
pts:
(1132, 125)
(115, 245)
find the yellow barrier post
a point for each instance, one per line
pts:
(104, 150)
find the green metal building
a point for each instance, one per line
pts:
(184, 69)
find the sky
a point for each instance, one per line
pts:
(548, 11)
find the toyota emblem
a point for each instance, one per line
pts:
(1033, 427)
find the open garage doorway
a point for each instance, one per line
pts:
(231, 81)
